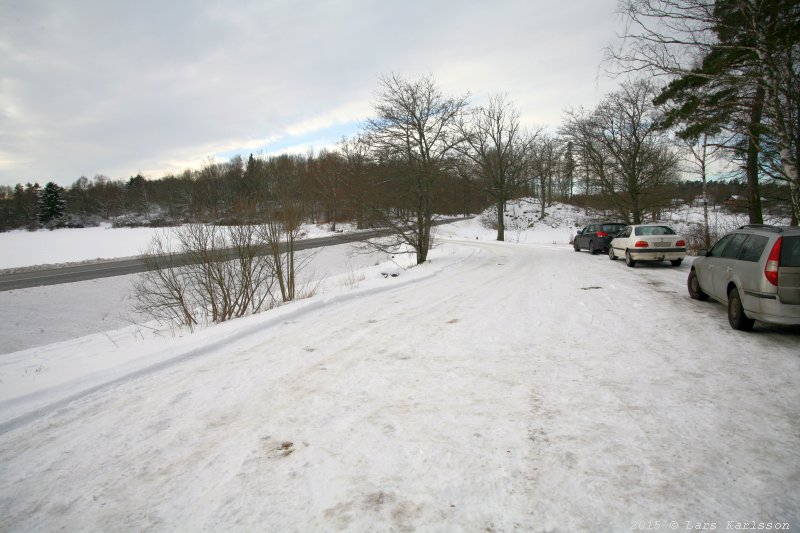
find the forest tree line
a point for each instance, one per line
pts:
(217, 193)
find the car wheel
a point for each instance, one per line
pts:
(695, 292)
(629, 260)
(736, 317)
(676, 262)
(611, 254)
(592, 249)
(575, 245)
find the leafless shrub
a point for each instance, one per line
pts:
(199, 273)
(279, 234)
(695, 237)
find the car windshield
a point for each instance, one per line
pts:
(654, 230)
(613, 228)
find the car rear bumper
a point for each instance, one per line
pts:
(774, 319)
(657, 254)
(603, 242)
(768, 308)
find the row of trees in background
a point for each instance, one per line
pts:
(331, 186)
(622, 151)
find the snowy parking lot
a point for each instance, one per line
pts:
(498, 387)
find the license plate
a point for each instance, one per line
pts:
(661, 244)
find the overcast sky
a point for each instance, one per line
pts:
(119, 87)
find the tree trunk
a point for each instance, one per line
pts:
(753, 193)
(501, 222)
(423, 237)
(706, 232)
(794, 192)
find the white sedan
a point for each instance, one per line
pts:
(648, 242)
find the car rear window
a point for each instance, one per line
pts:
(790, 252)
(654, 230)
(753, 247)
(613, 228)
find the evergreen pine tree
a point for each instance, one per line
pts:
(51, 203)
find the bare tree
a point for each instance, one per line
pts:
(280, 233)
(328, 171)
(496, 150)
(544, 163)
(704, 152)
(416, 130)
(567, 181)
(625, 150)
(355, 153)
(282, 217)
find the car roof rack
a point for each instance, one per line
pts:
(766, 227)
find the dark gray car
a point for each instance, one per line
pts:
(596, 236)
(755, 271)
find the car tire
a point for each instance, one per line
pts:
(676, 262)
(592, 249)
(611, 254)
(629, 260)
(736, 317)
(575, 245)
(695, 292)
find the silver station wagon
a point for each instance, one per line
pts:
(755, 270)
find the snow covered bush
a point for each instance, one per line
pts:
(152, 217)
(488, 218)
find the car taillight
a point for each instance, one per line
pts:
(681, 244)
(771, 268)
(602, 234)
(641, 244)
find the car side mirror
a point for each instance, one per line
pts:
(702, 253)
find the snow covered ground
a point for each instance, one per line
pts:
(512, 386)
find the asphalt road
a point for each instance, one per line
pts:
(122, 267)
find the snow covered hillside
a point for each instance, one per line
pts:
(512, 386)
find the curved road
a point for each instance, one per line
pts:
(121, 267)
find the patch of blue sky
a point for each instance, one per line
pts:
(286, 142)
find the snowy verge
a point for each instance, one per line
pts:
(45, 378)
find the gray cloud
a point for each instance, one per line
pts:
(116, 87)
